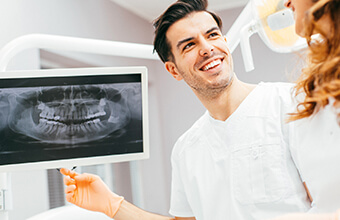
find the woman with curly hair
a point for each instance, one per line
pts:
(320, 80)
(316, 147)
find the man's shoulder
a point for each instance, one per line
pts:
(192, 135)
(278, 86)
(271, 99)
(282, 91)
(195, 131)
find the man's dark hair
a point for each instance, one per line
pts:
(175, 12)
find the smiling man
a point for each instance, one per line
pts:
(201, 58)
(234, 162)
(209, 73)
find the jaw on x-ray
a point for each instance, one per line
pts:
(72, 121)
(69, 114)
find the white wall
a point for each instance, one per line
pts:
(172, 105)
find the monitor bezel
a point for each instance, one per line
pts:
(74, 72)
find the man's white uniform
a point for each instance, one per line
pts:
(241, 168)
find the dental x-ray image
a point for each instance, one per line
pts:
(51, 118)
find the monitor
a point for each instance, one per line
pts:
(73, 117)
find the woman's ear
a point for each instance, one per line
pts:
(171, 68)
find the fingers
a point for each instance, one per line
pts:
(71, 183)
(69, 198)
(68, 172)
(86, 177)
(72, 178)
(68, 181)
(64, 171)
(69, 191)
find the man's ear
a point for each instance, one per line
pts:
(171, 68)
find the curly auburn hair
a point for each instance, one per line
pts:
(320, 80)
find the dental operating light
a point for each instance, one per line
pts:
(272, 21)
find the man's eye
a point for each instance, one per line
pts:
(213, 34)
(188, 46)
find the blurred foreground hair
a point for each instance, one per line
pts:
(320, 80)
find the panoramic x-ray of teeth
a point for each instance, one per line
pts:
(69, 114)
(50, 119)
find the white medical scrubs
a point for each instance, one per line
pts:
(316, 149)
(241, 168)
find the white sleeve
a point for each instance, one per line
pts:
(179, 205)
(290, 105)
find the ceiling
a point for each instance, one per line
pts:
(151, 9)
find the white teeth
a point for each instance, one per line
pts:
(98, 114)
(212, 64)
(102, 102)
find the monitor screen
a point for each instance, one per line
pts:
(72, 117)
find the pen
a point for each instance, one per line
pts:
(73, 168)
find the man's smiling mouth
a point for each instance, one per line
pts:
(211, 65)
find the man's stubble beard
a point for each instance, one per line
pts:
(209, 91)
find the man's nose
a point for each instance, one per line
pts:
(287, 3)
(206, 49)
